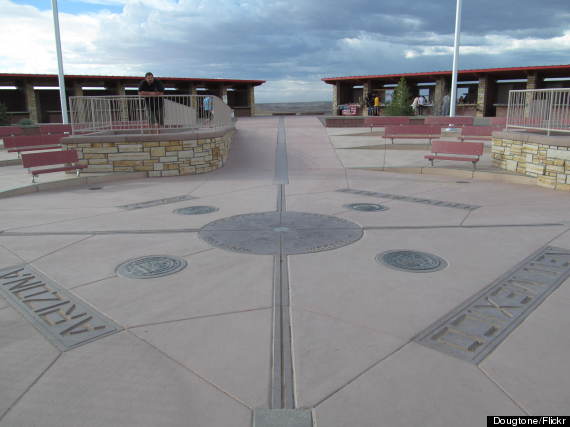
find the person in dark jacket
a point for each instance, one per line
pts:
(152, 90)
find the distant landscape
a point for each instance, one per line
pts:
(267, 109)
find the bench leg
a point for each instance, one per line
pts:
(34, 178)
(431, 161)
(474, 165)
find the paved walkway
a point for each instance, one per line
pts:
(197, 348)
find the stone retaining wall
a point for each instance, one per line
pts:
(166, 154)
(547, 158)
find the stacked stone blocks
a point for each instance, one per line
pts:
(156, 158)
(549, 164)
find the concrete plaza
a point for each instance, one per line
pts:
(196, 348)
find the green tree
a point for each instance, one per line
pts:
(401, 100)
(4, 119)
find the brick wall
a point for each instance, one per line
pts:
(545, 158)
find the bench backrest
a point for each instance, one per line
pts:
(344, 123)
(10, 130)
(478, 130)
(52, 139)
(386, 120)
(49, 158)
(453, 147)
(412, 130)
(442, 120)
(55, 128)
(22, 141)
(13, 142)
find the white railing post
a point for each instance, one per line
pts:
(110, 107)
(509, 111)
(549, 120)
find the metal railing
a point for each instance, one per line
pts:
(145, 114)
(546, 110)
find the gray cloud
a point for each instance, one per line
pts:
(296, 42)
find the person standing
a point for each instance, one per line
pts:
(208, 107)
(421, 104)
(152, 90)
(415, 105)
(377, 105)
(445, 105)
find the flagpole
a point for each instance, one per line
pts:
(455, 60)
(61, 80)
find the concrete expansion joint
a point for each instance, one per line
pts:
(61, 248)
(362, 373)
(13, 253)
(504, 391)
(94, 282)
(19, 398)
(357, 325)
(201, 251)
(204, 316)
(190, 370)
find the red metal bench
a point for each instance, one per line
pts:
(17, 144)
(343, 122)
(455, 121)
(478, 132)
(67, 158)
(412, 132)
(10, 131)
(55, 128)
(457, 151)
(381, 121)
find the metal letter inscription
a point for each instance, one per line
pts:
(475, 328)
(61, 317)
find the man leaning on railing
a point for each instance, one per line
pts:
(152, 90)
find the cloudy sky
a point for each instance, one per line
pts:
(292, 44)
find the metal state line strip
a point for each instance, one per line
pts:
(282, 392)
(281, 165)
